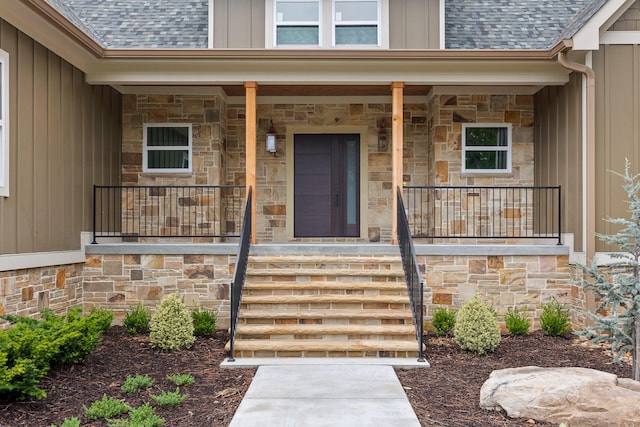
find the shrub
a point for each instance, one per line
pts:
(555, 318)
(143, 416)
(69, 422)
(171, 325)
(477, 327)
(181, 379)
(31, 347)
(516, 322)
(134, 384)
(444, 319)
(204, 322)
(136, 320)
(106, 408)
(169, 398)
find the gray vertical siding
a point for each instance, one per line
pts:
(558, 148)
(64, 137)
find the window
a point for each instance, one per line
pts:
(4, 124)
(167, 148)
(486, 148)
(327, 23)
(356, 22)
(297, 23)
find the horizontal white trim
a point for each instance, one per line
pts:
(11, 262)
(240, 100)
(620, 37)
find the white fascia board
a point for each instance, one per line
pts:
(291, 71)
(588, 37)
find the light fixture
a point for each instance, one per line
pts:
(382, 138)
(271, 139)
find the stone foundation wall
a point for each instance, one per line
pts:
(26, 292)
(502, 281)
(118, 282)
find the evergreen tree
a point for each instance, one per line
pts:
(617, 287)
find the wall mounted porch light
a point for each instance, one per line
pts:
(382, 138)
(271, 139)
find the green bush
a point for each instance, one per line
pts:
(31, 347)
(106, 408)
(171, 325)
(134, 384)
(172, 398)
(136, 320)
(516, 322)
(477, 327)
(143, 416)
(69, 422)
(555, 318)
(204, 322)
(444, 320)
(181, 379)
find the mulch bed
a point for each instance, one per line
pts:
(446, 394)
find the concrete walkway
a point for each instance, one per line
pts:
(325, 395)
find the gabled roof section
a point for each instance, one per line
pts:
(514, 24)
(140, 23)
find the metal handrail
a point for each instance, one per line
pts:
(239, 274)
(415, 285)
(193, 211)
(484, 212)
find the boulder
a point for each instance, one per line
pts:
(574, 396)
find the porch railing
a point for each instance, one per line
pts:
(440, 212)
(415, 286)
(239, 274)
(167, 211)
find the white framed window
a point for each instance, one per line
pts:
(297, 23)
(356, 23)
(167, 147)
(4, 124)
(327, 24)
(486, 147)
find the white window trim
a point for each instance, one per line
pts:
(326, 31)
(508, 148)
(4, 125)
(335, 24)
(145, 148)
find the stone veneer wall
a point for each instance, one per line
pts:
(271, 168)
(523, 281)
(118, 282)
(26, 292)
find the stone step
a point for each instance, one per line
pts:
(391, 331)
(399, 300)
(384, 286)
(324, 259)
(292, 273)
(308, 315)
(324, 348)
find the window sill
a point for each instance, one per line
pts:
(167, 174)
(487, 174)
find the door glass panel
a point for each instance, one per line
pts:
(352, 181)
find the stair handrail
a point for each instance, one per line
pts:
(415, 285)
(239, 273)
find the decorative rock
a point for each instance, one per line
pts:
(575, 396)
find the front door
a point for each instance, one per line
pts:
(326, 185)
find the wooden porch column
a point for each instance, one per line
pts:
(250, 151)
(396, 153)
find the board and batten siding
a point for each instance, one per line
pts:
(629, 21)
(558, 149)
(240, 24)
(617, 129)
(64, 137)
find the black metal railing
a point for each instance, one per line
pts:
(133, 212)
(439, 212)
(239, 274)
(415, 285)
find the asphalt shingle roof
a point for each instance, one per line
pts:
(514, 24)
(140, 23)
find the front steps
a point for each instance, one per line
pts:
(325, 305)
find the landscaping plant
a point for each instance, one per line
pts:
(617, 316)
(444, 320)
(477, 327)
(136, 320)
(181, 379)
(135, 383)
(106, 408)
(69, 422)
(171, 398)
(554, 320)
(171, 325)
(516, 322)
(204, 322)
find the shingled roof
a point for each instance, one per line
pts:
(478, 24)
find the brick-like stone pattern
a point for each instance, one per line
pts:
(118, 282)
(26, 292)
(271, 170)
(525, 282)
(447, 113)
